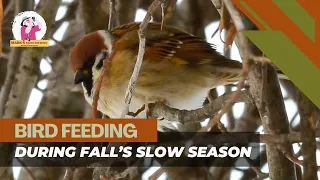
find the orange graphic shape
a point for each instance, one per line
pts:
(271, 14)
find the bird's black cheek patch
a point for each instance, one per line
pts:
(88, 80)
(88, 84)
(100, 63)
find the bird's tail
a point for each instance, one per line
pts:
(235, 70)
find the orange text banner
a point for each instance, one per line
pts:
(78, 130)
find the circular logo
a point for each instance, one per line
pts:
(28, 25)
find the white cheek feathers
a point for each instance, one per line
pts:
(88, 46)
(107, 39)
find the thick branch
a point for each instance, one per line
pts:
(12, 67)
(309, 147)
(159, 109)
(265, 90)
(284, 138)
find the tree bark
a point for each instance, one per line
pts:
(308, 127)
(265, 90)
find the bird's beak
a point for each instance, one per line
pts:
(79, 76)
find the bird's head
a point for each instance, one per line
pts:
(86, 57)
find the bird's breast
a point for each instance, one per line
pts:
(177, 85)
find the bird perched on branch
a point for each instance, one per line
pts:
(178, 68)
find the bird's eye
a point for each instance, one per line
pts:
(100, 58)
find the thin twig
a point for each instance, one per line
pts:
(106, 63)
(142, 37)
(230, 115)
(135, 114)
(215, 32)
(112, 10)
(13, 65)
(293, 118)
(233, 99)
(121, 175)
(291, 138)
(157, 174)
(236, 17)
(26, 168)
(217, 4)
(1, 21)
(292, 158)
(60, 45)
(162, 15)
(4, 56)
(260, 175)
(9, 7)
(69, 173)
(134, 76)
(261, 59)
(264, 84)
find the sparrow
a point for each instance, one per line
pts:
(178, 68)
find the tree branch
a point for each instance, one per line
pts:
(121, 175)
(112, 12)
(274, 123)
(265, 90)
(142, 36)
(69, 173)
(291, 138)
(159, 109)
(236, 17)
(308, 127)
(1, 20)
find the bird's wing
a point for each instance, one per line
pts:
(170, 44)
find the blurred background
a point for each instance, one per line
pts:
(53, 95)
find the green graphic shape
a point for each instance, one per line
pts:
(300, 70)
(299, 16)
